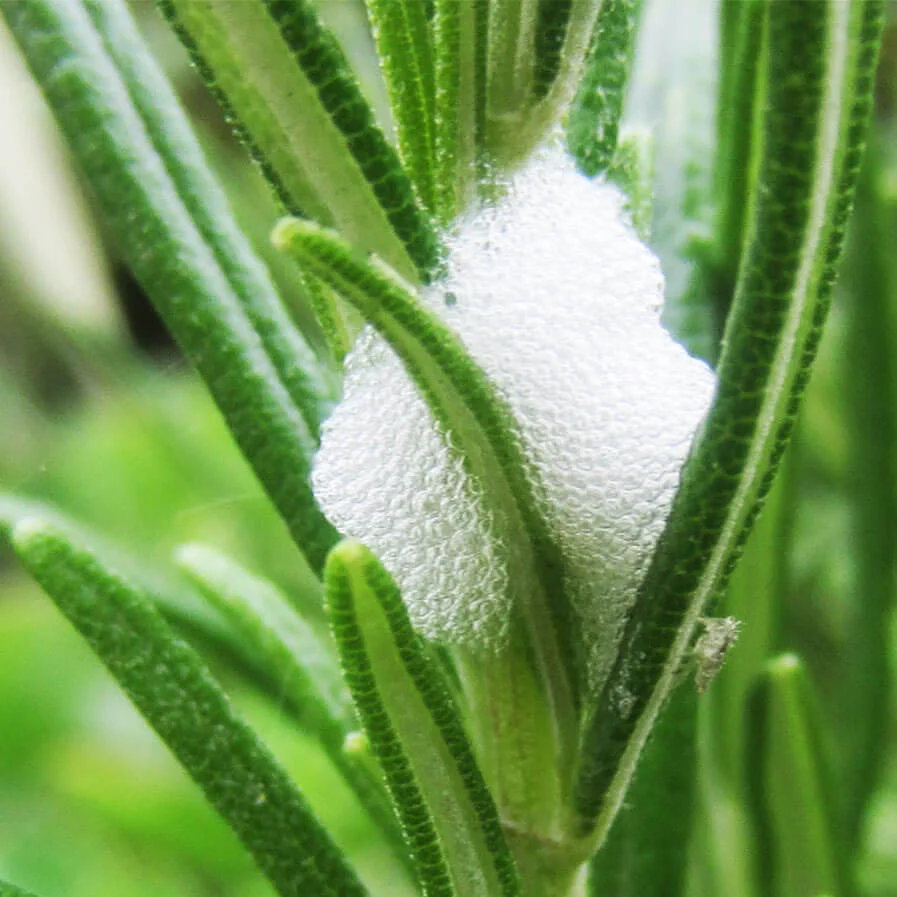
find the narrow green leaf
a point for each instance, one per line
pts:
(460, 95)
(174, 254)
(304, 377)
(820, 63)
(172, 688)
(283, 78)
(10, 890)
(405, 47)
(646, 852)
(482, 429)
(536, 51)
(594, 119)
(755, 595)
(866, 676)
(306, 669)
(512, 46)
(187, 611)
(340, 323)
(415, 730)
(789, 800)
(553, 18)
(737, 123)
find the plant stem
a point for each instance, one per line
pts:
(548, 869)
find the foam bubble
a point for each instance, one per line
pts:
(558, 300)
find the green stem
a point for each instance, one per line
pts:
(548, 870)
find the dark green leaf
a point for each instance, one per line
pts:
(646, 851)
(553, 18)
(737, 124)
(305, 378)
(175, 692)
(820, 62)
(594, 119)
(416, 732)
(128, 154)
(405, 47)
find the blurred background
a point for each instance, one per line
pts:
(99, 415)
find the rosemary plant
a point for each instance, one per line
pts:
(521, 495)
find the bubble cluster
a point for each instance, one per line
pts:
(558, 300)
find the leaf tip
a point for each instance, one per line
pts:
(347, 553)
(29, 532)
(284, 232)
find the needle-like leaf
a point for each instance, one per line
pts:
(820, 62)
(404, 39)
(459, 36)
(172, 688)
(174, 227)
(790, 802)
(416, 732)
(186, 610)
(553, 18)
(740, 97)
(283, 78)
(867, 680)
(594, 119)
(307, 669)
(644, 853)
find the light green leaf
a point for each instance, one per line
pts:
(867, 677)
(172, 688)
(283, 78)
(594, 118)
(796, 844)
(307, 670)
(459, 35)
(820, 62)
(512, 54)
(173, 226)
(404, 39)
(415, 731)
(535, 55)
(483, 431)
(755, 595)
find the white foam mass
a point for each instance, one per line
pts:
(558, 300)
